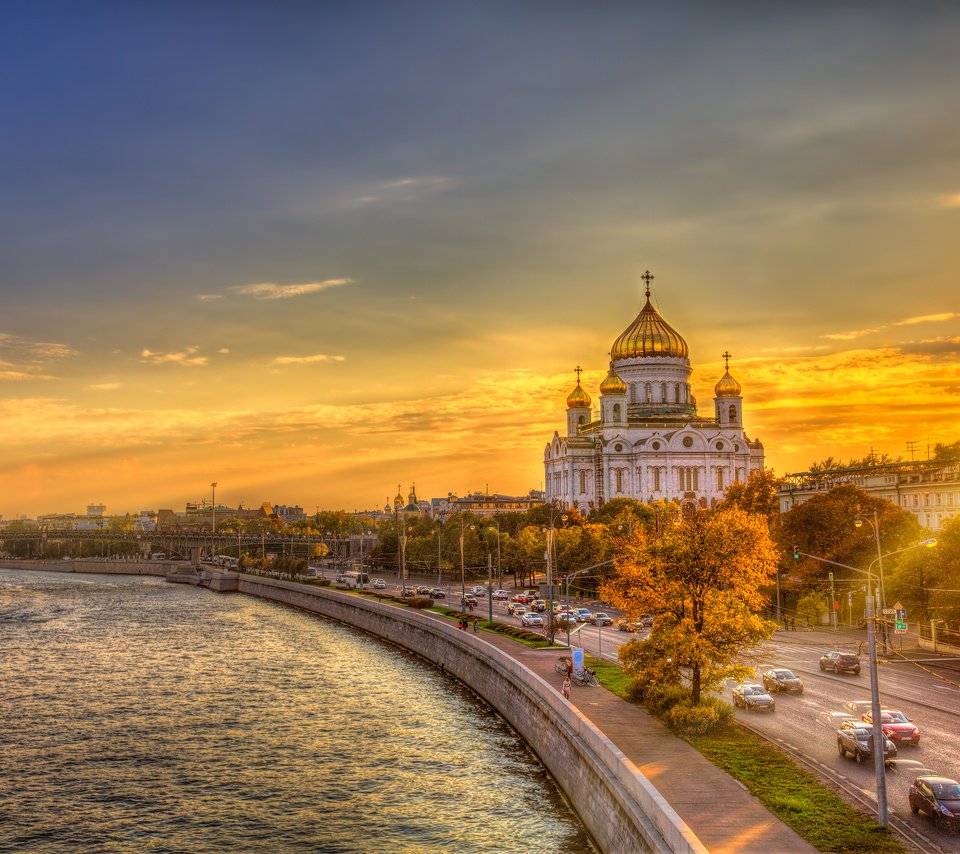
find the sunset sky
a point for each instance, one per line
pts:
(314, 250)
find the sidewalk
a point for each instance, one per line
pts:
(719, 810)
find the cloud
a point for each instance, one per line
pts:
(306, 360)
(271, 290)
(849, 336)
(186, 358)
(399, 189)
(950, 201)
(21, 376)
(928, 318)
(209, 297)
(24, 359)
(104, 386)
(223, 351)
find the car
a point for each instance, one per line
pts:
(437, 593)
(896, 726)
(600, 619)
(781, 680)
(516, 609)
(539, 605)
(340, 578)
(501, 594)
(582, 614)
(469, 600)
(565, 621)
(937, 797)
(531, 619)
(423, 590)
(857, 740)
(840, 662)
(407, 592)
(646, 620)
(379, 584)
(753, 698)
(522, 598)
(625, 625)
(477, 590)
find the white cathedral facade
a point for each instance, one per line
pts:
(647, 440)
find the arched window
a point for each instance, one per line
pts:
(676, 393)
(649, 390)
(583, 481)
(719, 479)
(633, 392)
(696, 480)
(616, 412)
(619, 480)
(656, 480)
(663, 392)
(733, 412)
(581, 420)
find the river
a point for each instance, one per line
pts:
(137, 715)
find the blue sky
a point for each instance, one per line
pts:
(448, 206)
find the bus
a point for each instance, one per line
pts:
(356, 580)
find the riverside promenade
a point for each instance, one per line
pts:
(720, 811)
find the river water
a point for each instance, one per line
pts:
(137, 715)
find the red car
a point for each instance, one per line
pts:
(522, 598)
(896, 726)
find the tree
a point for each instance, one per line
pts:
(701, 579)
(758, 494)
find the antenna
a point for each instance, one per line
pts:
(912, 447)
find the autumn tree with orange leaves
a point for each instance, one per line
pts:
(701, 579)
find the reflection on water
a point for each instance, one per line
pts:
(140, 715)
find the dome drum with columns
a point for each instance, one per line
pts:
(647, 440)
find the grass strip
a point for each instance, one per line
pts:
(791, 792)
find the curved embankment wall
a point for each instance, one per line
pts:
(618, 805)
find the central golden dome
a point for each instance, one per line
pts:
(649, 335)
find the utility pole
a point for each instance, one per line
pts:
(833, 604)
(489, 587)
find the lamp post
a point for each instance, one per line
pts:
(874, 523)
(878, 737)
(213, 508)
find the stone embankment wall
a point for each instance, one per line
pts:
(102, 567)
(618, 805)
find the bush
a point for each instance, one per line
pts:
(660, 699)
(321, 582)
(688, 719)
(420, 602)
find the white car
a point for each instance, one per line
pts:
(477, 590)
(501, 594)
(379, 584)
(600, 619)
(531, 619)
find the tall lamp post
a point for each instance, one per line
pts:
(874, 523)
(213, 508)
(878, 737)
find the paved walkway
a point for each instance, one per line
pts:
(722, 813)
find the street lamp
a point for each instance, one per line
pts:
(874, 684)
(874, 523)
(213, 506)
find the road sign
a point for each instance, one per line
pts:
(902, 631)
(889, 610)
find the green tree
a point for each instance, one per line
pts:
(702, 579)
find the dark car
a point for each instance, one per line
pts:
(779, 679)
(939, 798)
(896, 726)
(469, 600)
(423, 590)
(840, 662)
(437, 593)
(857, 740)
(753, 698)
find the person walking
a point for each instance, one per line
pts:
(566, 688)
(476, 625)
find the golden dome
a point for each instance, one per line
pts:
(649, 335)
(727, 387)
(613, 384)
(578, 398)
(398, 499)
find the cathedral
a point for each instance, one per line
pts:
(646, 440)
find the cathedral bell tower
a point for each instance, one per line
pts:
(727, 398)
(578, 407)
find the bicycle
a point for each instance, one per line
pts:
(562, 666)
(585, 676)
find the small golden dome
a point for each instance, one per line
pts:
(649, 335)
(578, 398)
(398, 498)
(727, 387)
(613, 384)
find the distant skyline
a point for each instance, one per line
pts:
(310, 251)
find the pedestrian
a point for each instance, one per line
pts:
(566, 688)
(791, 624)
(460, 623)
(476, 625)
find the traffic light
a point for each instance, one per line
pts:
(796, 552)
(901, 617)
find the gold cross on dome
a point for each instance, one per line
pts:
(726, 360)
(648, 277)
(579, 371)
